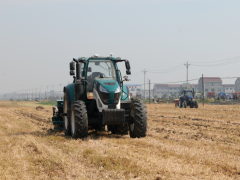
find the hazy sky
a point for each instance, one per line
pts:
(39, 38)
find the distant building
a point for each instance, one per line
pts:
(160, 89)
(189, 86)
(147, 93)
(228, 88)
(237, 85)
(133, 89)
(211, 84)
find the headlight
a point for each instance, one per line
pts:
(118, 90)
(102, 89)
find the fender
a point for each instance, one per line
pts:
(69, 89)
(125, 93)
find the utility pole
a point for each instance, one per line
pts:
(203, 89)
(149, 92)
(144, 71)
(187, 65)
(60, 90)
(32, 94)
(36, 93)
(47, 92)
(53, 91)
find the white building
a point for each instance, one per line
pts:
(228, 88)
(168, 89)
(133, 89)
(237, 85)
(211, 84)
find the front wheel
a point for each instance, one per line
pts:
(66, 119)
(184, 104)
(79, 120)
(138, 115)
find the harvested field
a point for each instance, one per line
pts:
(187, 143)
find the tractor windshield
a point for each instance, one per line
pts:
(188, 93)
(97, 68)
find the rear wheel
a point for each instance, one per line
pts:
(138, 114)
(180, 103)
(79, 120)
(66, 119)
(196, 104)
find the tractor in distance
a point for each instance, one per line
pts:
(221, 96)
(187, 99)
(98, 98)
(236, 95)
(211, 95)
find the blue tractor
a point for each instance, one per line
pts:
(187, 99)
(221, 96)
(98, 98)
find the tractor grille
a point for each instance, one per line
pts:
(105, 97)
(116, 98)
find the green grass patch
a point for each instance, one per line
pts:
(47, 103)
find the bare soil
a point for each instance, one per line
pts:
(201, 143)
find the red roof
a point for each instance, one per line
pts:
(174, 85)
(211, 79)
(229, 85)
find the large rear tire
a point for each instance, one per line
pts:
(138, 115)
(196, 104)
(79, 120)
(180, 103)
(66, 119)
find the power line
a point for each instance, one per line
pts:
(217, 61)
(232, 60)
(221, 64)
(167, 71)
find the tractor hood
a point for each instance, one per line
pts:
(190, 97)
(110, 86)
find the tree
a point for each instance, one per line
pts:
(165, 96)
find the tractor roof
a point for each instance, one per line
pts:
(98, 58)
(187, 90)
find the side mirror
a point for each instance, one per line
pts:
(127, 64)
(89, 69)
(126, 78)
(128, 71)
(72, 73)
(72, 66)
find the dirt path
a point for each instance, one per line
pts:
(187, 143)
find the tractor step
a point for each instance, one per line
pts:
(63, 114)
(59, 128)
(57, 122)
